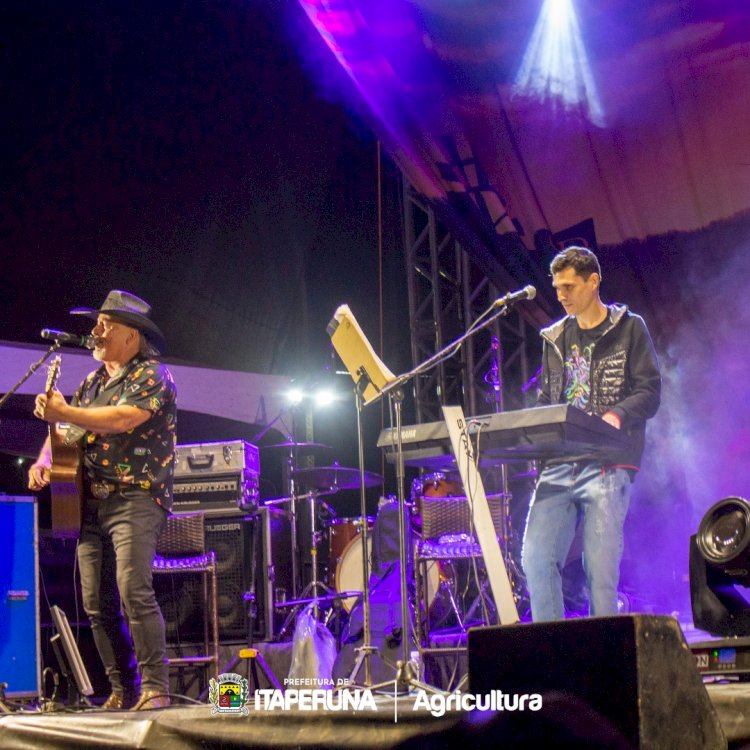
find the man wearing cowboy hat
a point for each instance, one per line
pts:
(123, 416)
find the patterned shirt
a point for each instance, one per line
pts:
(144, 456)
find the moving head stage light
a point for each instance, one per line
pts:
(719, 563)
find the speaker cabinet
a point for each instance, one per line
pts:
(254, 565)
(19, 598)
(232, 540)
(635, 671)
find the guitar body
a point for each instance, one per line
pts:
(66, 474)
(66, 487)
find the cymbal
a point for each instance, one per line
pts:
(298, 446)
(335, 478)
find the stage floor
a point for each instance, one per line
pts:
(406, 722)
(395, 723)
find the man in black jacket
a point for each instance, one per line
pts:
(598, 358)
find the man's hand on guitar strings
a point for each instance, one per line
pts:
(50, 406)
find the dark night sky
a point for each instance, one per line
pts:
(180, 150)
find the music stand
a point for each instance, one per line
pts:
(373, 381)
(372, 378)
(69, 659)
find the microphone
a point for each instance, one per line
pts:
(528, 292)
(87, 342)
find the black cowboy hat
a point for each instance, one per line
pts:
(129, 309)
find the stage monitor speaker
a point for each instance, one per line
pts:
(635, 671)
(19, 598)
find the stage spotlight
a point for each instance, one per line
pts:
(719, 563)
(555, 66)
(319, 396)
(724, 537)
(324, 397)
(294, 396)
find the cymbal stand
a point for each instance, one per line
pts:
(366, 650)
(493, 378)
(405, 679)
(291, 464)
(315, 582)
(310, 593)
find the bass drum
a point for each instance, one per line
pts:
(341, 531)
(349, 573)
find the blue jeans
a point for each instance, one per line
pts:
(564, 493)
(115, 552)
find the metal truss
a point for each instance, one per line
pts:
(446, 294)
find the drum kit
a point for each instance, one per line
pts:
(328, 548)
(330, 576)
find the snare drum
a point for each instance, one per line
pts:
(436, 484)
(349, 572)
(341, 531)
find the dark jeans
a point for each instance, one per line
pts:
(117, 546)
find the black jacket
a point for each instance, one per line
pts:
(624, 377)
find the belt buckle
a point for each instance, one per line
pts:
(100, 490)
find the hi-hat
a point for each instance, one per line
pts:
(298, 446)
(334, 478)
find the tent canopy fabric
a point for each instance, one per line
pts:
(240, 397)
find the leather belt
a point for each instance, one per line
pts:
(102, 490)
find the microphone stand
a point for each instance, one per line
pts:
(405, 678)
(366, 650)
(32, 369)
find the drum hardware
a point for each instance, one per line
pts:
(282, 500)
(292, 448)
(446, 590)
(310, 594)
(277, 500)
(331, 598)
(329, 601)
(333, 478)
(321, 480)
(300, 447)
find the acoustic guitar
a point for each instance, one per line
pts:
(66, 473)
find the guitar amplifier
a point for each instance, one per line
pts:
(217, 478)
